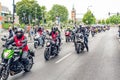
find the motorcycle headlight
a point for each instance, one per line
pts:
(48, 44)
(6, 54)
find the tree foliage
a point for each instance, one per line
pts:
(58, 10)
(89, 18)
(103, 21)
(29, 8)
(115, 19)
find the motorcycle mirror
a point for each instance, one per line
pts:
(5, 36)
(2, 39)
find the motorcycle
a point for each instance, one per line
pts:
(67, 36)
(38, 41)
(79, 43)
(12, 63)
(51, 49)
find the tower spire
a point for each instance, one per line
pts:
(73, 7)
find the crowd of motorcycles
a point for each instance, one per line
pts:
(12, 65)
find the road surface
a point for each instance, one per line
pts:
(102, 62)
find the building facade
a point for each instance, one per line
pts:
(6, 15)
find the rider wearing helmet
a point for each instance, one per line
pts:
(40, 31)
(21, 42)
(58, 34)
(54, 36)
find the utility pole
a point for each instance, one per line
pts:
(13, 11)
(36, 16)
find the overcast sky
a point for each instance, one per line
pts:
(100, 8)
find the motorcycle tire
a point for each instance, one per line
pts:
(46, 54)
(3, 75)
(35, 45)
(77, 49)
(30, 65)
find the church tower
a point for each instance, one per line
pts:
(73, 14)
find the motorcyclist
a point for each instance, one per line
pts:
(85, 34)
(58, 34)
(44, 34)
(54, 36)
(83, 31)
(40, 32)
(70, 31)
(21, 42)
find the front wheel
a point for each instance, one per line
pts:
(47, 54)
(77, 48)
(4, 74)
(35, 45)
(30, 65)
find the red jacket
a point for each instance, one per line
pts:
(19, 43)
(54, 36)
(40, 32)
(67, 33)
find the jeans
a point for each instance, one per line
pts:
(25, 57)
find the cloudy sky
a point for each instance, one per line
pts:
(100, 8)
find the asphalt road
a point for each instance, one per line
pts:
(102, 62)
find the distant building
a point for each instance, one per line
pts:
(6, 15)
(73, 14)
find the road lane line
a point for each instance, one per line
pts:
(63, 58)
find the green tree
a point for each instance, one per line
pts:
(107, 21)
(28, 9)
(115, 19)
(103, 21)
(89, 18)
(58, 10)
(99, 22)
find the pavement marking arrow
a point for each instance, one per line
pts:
(63, 58)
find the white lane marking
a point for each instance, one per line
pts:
(63, 58)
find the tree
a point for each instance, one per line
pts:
(115, 19)
(26, 9)
(58, 10)
(103, 21)
(99, 22)
(89, 18)
(107, 21)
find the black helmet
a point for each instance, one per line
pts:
(19, 32)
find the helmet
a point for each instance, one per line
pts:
(19, 32)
